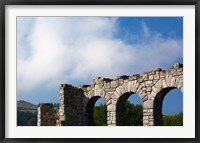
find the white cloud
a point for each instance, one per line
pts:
(145, 30)
(64, 50)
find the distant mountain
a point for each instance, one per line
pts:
(25, 106)
(26, 113)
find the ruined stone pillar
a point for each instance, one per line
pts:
(71, 105)
(148, 113)
(47, 115)
(111, 115)
(111, 112)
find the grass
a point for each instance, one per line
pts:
(24, 106)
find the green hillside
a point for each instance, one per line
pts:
(26, 114)
(25, 106)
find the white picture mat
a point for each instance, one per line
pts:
(186, 131)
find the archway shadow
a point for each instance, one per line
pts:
(158, 104)
(123, 115)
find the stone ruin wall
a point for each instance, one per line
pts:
(76, 103)
(47, 115)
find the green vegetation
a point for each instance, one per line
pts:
(133, 116)
(24, 106)
(26, 114)
(100, 115)
(173, 120)
(26, 118)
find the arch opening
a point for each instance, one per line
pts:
(168, 107)
(96, 112)
(129, 110)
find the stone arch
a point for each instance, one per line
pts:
(120, 107)
(160, 90)
(158, 104)
(89, 110)
(132, 86)
(169, 81)
(122, 93)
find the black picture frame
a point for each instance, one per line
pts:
(3, 4)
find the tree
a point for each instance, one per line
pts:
(100, 115)
(133, 114)
(173, 120)
(26, 119)
(56, 105)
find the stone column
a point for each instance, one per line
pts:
(39, 116)
(148, 113)
(62, 104)
(71, 105)
(111, 115)
(47, 115)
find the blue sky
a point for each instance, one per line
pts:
(75, 50)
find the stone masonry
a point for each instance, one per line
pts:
(77, 103)
(47, 115)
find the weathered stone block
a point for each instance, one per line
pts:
(148, 88)
(126, 80)
(173, 81)
(151, 77)
(107, 85)
(180, 84)
(135, 86)
(156, 76)
(148, 105)
(114, 83)
(149, 83)
(145, 77)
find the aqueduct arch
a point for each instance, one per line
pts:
(89, 110)
(158, 104)
(120, 108)
(76, 102)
